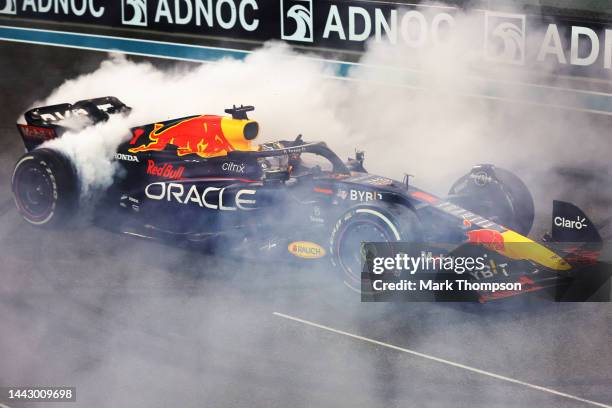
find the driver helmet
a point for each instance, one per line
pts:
(275, 164)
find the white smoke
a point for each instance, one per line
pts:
(418, 111)
(127, 322)
(290, 94)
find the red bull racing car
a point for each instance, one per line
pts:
(202, 180)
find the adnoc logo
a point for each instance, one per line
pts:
(296, 20)
(134, 12)
(505, 37)
(10, 7)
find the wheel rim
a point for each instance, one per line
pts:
(350, 248)
(34, 192)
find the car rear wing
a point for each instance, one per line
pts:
(46, 122)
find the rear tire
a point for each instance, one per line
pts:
(384, 223)
(45, 187)
(496, 194)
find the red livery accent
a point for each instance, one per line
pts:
(578, 255)
(323, 190)
(37, 132)
(424, 196)
(136, 133)
(488, 237)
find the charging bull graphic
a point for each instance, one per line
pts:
(207, 136)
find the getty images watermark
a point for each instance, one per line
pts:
(404, 271)
(428, 263)
(38, 394)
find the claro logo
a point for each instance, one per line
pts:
(214, 198)
(577, 224)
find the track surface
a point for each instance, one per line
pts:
(139, 324)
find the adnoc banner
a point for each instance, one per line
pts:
(564, 44)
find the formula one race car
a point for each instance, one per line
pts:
(201, 180)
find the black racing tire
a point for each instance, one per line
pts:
(510, 203)
(381, 223)
(45, 187)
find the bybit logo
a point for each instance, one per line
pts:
(296, 20)
(134, 12)
(505, 38)
(10, 7)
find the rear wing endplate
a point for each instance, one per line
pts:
(45, 123)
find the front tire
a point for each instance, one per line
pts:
(368, 224)
(45, 187)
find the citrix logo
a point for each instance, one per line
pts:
(233, 167)
(10, 7)
(505, 37)
(578, 224)
(134, 12)
(298, 14)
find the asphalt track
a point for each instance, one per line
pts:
(135, 323)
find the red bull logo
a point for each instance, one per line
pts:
(166, 170)
(201, 135)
